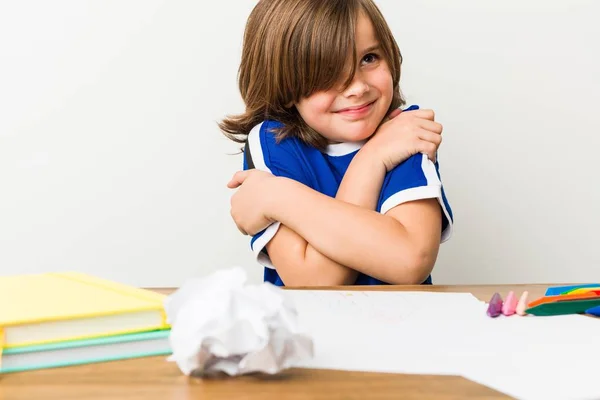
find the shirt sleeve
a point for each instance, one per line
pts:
(280, 159)
(416, 178)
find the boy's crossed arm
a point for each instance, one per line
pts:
(345, 235)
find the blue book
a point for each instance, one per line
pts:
(86, 351)
(593, 311)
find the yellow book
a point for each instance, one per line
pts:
(45, 308)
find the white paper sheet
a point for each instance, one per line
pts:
(539, 358)
(449, 333)
(385, 331)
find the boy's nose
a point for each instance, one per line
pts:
(357, 88)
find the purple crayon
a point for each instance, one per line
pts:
(495, 306)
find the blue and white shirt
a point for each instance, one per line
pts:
(414, 179)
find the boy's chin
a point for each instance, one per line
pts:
(358, 135)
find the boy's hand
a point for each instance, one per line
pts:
(249, 202)
(404, 134)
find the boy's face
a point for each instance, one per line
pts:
(353, 114)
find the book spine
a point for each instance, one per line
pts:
(1, 345)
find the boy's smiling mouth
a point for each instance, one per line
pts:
(356, 111)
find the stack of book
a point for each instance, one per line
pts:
(59, 319)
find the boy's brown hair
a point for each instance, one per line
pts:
(293, 48)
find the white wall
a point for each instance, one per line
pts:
(111, 162)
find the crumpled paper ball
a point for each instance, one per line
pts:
(220, 324)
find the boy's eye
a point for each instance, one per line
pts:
(369, 58)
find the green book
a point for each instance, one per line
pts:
(563, 307)
(87, 351)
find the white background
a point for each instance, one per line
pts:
(111, 162)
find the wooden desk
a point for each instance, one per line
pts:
(154, 378)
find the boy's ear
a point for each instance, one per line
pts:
(290, 104)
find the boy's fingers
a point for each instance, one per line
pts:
(428, 144)
(237, 179)
(425, 114)
(432, 126)
(430, 137)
